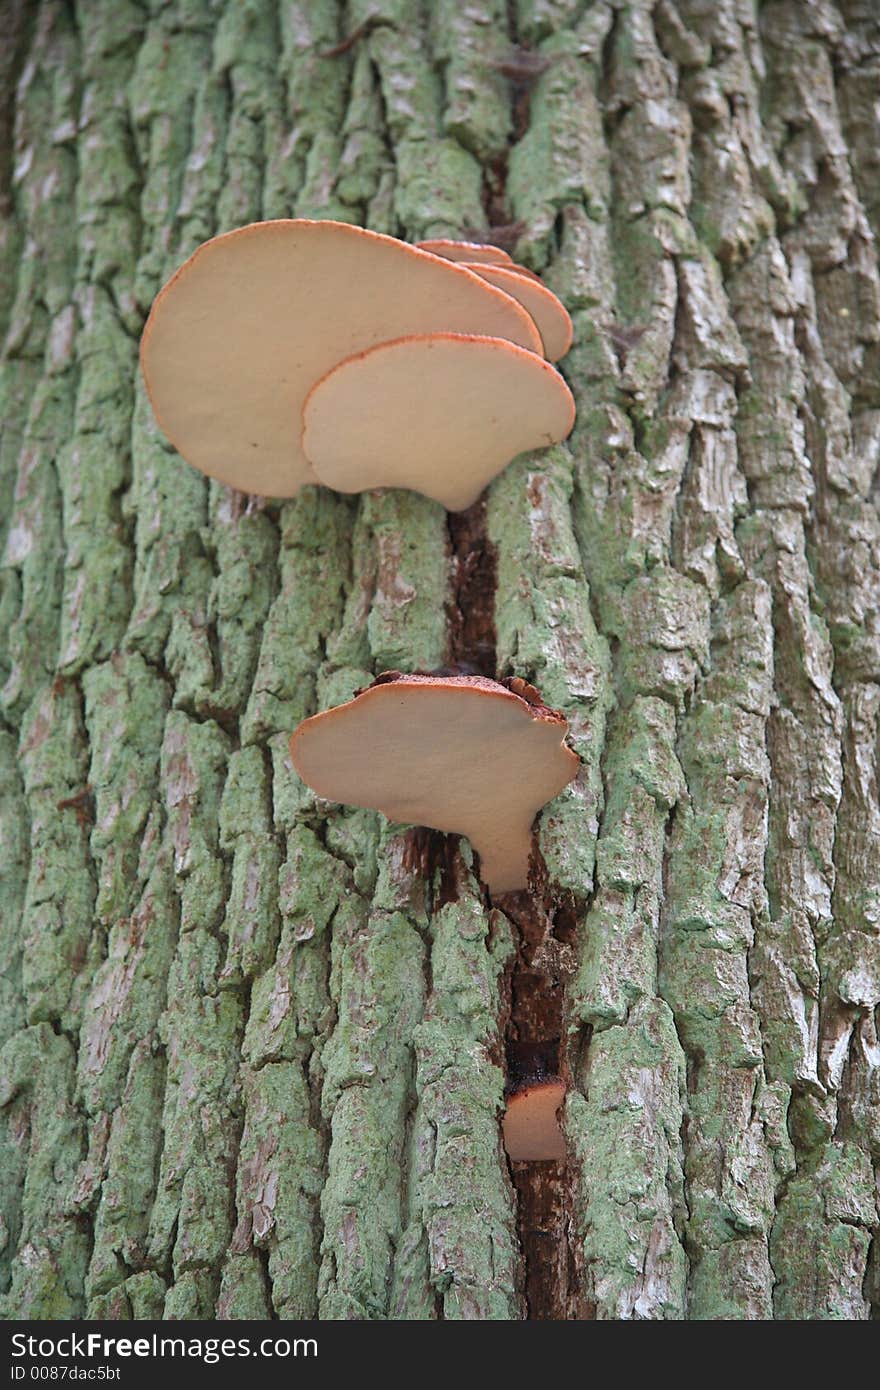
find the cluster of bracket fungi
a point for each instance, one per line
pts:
(296, 352)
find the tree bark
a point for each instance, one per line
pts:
(254, 1046)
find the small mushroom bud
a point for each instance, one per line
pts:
(530, 1125)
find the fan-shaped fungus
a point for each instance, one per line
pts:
(457, 753)
(442, 414)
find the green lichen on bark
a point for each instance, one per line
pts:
(252, 1042)
(458, 1255)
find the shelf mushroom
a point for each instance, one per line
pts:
(242, 332)
(471, 254)
(515, 269)
(461, 754)
(549, 313)
(440, 413)
(471, 251)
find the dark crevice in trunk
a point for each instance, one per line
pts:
(543, 1225)
(470, 651)
(534, 1054)
(544, 929)
(494, 196)
(471, 620)
(19, 21)
(532, 1026)
(433, 857)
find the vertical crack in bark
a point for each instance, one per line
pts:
(532, 1039)
(533, 1053)
(542, 1191)
(534, 1029)
(471, 641)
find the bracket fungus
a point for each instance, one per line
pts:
(471, 251)
(549, 313)
(530, 1126)
(462, 754)
(515, 269)
(440, 413)
(242, 332)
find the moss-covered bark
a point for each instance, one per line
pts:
(252, 1057)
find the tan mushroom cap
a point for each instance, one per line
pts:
(465, 251)
(457, 753)
(515, 268)
(550, 314)
(530, 1127)
(238, 337)
(441, 414)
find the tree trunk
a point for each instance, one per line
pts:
(255, 1045)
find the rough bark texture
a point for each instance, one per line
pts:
(253, 1046)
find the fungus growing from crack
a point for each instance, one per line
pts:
(243, 331)
(530, 1126)
(441, 413)
(471, 251)
(549, 313)
(461, 754)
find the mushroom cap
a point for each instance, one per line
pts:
(515, 268)
(550, 314)
(441, 414)
(465, 251)
(238, 337)
(530, 1127)
(457, 753)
